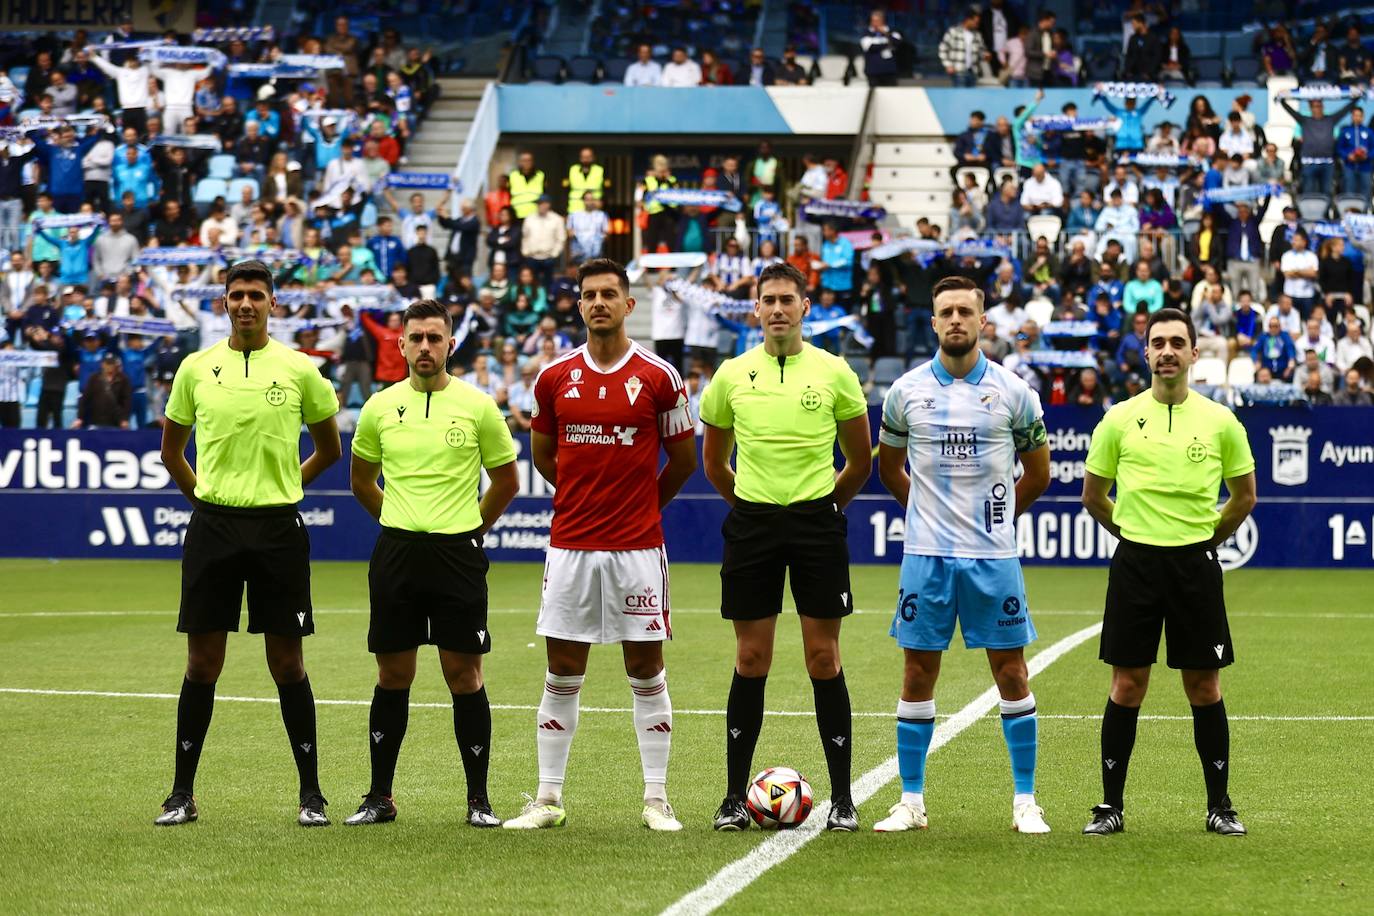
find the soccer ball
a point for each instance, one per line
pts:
(779, 799)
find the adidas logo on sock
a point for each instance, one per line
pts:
(186, 745)
(839, 740)
(734, 733)
(660, 727)
(377, 737)
(1109, 763)
(476, 750)
(1219, 764)
(553, 726)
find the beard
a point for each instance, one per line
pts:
(959, 348)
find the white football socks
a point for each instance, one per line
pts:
(653, 719)
(555, 726)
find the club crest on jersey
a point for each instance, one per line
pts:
(576, 376)
(455, 437)
(989, 401)
(276, 395)
(632, 388)
(811, 399)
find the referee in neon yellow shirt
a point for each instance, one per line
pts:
(1167, 449)
(780, 407)
(430, 437)
(246, 398)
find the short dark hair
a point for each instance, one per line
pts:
(421, 309)
(1172, 314)
(251, 270)
(598, 266)
(956, 284)
(781, 270)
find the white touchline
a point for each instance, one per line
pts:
(625, 710)
(742, 872)
(884, 612)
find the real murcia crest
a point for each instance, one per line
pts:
(633, 387)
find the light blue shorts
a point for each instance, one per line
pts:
(987, 597)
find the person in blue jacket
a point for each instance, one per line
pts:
(1355, 150)
(62, 162)
(74, 254)
(1130, 137)
(134, 172)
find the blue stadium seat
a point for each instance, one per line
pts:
(1209, 71)
(1314, 206)
(583, 69)
(546, 70)
(236, 188)
(1102, 68)
(207, 189)
(1245, 71)
(613, 70)
(222, 166)
(1204, 44)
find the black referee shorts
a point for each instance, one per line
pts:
(268, 549)
(428, 589)
(1177, 589)
(764, 542)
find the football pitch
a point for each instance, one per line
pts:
(92, 666)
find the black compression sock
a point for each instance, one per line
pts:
(298, 714)
(1118, 738)
(836, 728)
(472, 729)
(194, 709)
(1212, 735)
(743, 722)
(386, 729)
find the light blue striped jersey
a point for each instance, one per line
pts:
(962, 437)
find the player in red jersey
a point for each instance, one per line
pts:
(600, 415)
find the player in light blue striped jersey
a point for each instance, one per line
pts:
(960, 422)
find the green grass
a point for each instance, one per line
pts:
(86, 774)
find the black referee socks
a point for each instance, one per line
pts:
(1118, 739)
(472, 728)
(298, 714)
(1212, 735)
(386, 729)
(194, 709)
(836, 728)
(743, 722)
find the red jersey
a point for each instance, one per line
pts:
(608, 427)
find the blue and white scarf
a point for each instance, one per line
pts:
(898, 247)
(1155, 160)
(709, 300)
(200, 293)
(128, 324)
(817, 211)
(434, 181)
(852, 323)
(178, 54)
(271, 71)
(375, 292)
(1359, 225)
(672, 260)
(25, 359)
(695, 197)
(177, 257)
(1062, 359)
(1139, 91)
(1069, 329)
(128, 45)
(1326, 229)
(313, 61)
(1323, 92)
(294, 325)
(1043, 123)
(297, 297)
(1239, 192)
(68, 221)
(188, 141)
(982, 249)
(240, 33)
(342, 114)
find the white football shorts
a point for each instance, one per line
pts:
(605, 596)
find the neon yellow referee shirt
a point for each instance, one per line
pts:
(247, 407)
(1168, 462)
(432, 447)
(784, 416)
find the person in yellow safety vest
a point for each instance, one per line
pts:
(586, 176)
(661, 225)
(526, 186)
